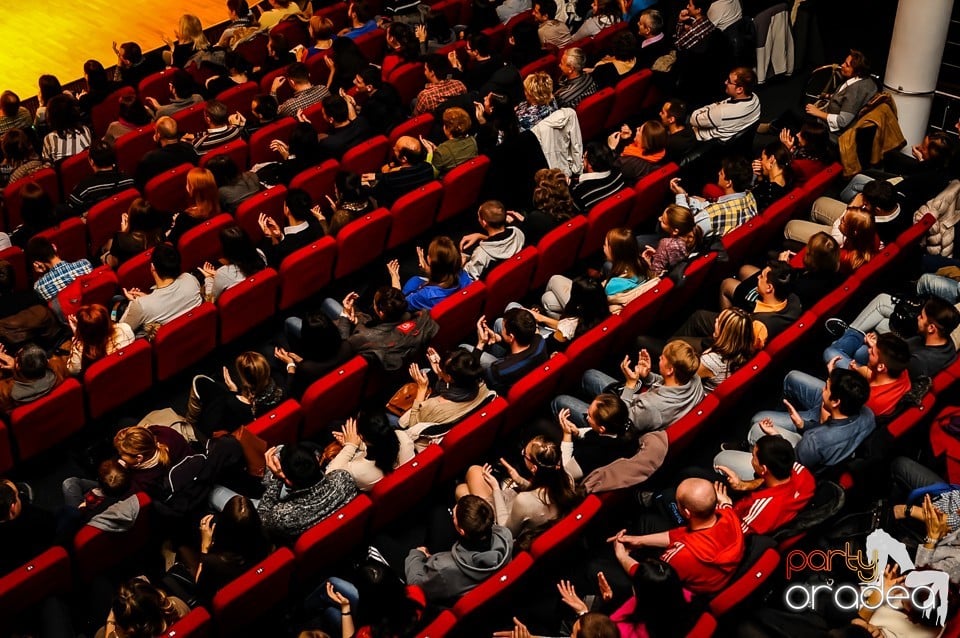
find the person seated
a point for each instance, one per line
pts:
(845, 103)
(590, 624)
(279, 10)
(597, 437)
(322, 32)
(730, 347)
(511, 350)
(402, 45)
(205, 204)
(937, 285)
(481, 65)
(233, 186)
(773, 176)
(29, 376)
(240, 260)
(237, 72)
(819, 275)
(825, 426)
(931, 348)
(239, 17)
(102, 504)
(174, 292)
(440, 85)
(182, 96)
(219, 130)
(459, 147)
(575, 85)
(53, 273)
(484, 547)
(441, 264)
(629, 276)
(148, 453)
(361, 20)
(371, 449)
(526, 506)
(13, 115)
(734, 208)
(322, 348)
(20, 158)
(300, 152)
(553, 33)
(600, 177)
(780, 490)
(188, 45)
(391, 337)
(301, 230)
(860, 240)
(552, 203)
(280, 55)
(105, 181)
(619, 64)
(39, 214)
(496, 243)
(679, 237)
(263, 111)
(681, 139)
(641, 152)
(133, 65)
(705, 552)
(141, 228)
(811, 143)
(346, 129)
(741, 110)
(603, 13)
(139, 608)
(172, 152)
(693, 25)
(378, 101)
(298, 493)
(510, 8)
(409, 171)
(68, 134)
(95, 335)
(585, 308)
(305, 93)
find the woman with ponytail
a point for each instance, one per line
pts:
(140, 610)
(148, 452)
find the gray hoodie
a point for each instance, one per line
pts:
(661, 406)
(501, 246)
(450, 574)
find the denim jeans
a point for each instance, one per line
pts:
(593, 383)
(848, 347)
(855, 187)
(319, 603)
(74, 488)
(220, 496)
(876, 315)
(943, 287)
(907, 475)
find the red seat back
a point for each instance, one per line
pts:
(471, 438)
(103, 218)
(912, 417)
(168, 190)
(246, 600)
(130, 147)
(366, 157)
(416, 127)
(592, 112)
(638, 316)
(46, 178)
(196, 624)
(95, 550)
(498, 36)
(547, 64)
(730, 391)
(236, 150)
(239, 98)
(610, 213)
(156, 85)
(492, 593)
(248, 304)
(818, 184)
(6, 449)
(567, 530)
(461, 187)
(738, 591)
(739, 241)
(269, 202)
(796, 335)
(413, 213)
(558, 249)
(685, 430)
(109, 110)
(135, 272)
(73, 169)
(319, 71)
(70, 238)
(402, 489)
(202, 242)
(589, 349)
(695, 274)
(450, 9)
(651, 191)
(457, 315)
(442, 626)
(372, 44)
(259, 142)
(532, 392)
(704, 628)
(335, 395)
(628, 97)
(191, 119)
(279, 425)
(509, 281)
(46, 575)
(318, 180)
(408, 80)
(776, 216)
(284, 91)
(182, 342)
(324, 544)
(16, 258)
(307, 271)
(118, 378)
(361, 242)
(39, 425)
(293, 30)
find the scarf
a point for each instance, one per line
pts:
(635, 150)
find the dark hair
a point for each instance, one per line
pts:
(738, 171)
(132, 52)
(371, 75)
(438, 27)
(304, 144)
(782, 155)
(141, 610)
(625, 46)
(661, 604)
(17, 147)
(102, 154)
(300, 463)
(550, 476)
(319, 337)
(335, 107)
(40, 249)
(548, 8)
(217, 112)
(503, 116)
(881, 194)
(588, 303)
(781, 278)
(409, 46)
(239, 530)
(224, 169)
(113, 477)
(133, 111)
(8, 496)
(940, 149)
(8, 276)
(480, 42)
(942, 315)
(36, 207)
(299, 204)
(439, 65)
(475, 518)
(894, 353)
(860, 64)
(239, 250)
(166, 261)
(63, 115)
(383, 446)
(599, 155)
(298, 72)
(777, 455)
(677, 109)
(240, 7)
(850, 389)
(31, 363)
(816, 140)
(267, 106)
(520, 323)
(96, 77)
(49, 87)
(361, 11)
(444, 262)
(182, 83)
(391, 303)
(464, 369)
(9, 103)
(745, 78)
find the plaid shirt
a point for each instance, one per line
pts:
(59, 277)
(723, 215)
(302, 99)
(687, 38)
(436, 94)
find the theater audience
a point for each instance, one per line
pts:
(174, 292)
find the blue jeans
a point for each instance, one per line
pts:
(220, 496)
(876, 315)
(593, 383)
(319, 603)
(855, 187)
(943, 287)
(848, 347)
(74, 489)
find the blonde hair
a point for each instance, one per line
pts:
(735, 341)
(191, 29)
(683, 358)
(138, 440)
(538, 88)
(680, 220)
(254, 372)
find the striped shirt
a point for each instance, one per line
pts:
(722, 120)
(22, 120)
(56, 148)
(595, 187)
(572, 91)
(302, 99)
(769, 508)
(97, 187)
(689, 36)
(59, 277)
(215, 137)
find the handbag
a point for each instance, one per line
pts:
(402, 399)
(254, 449)
(903, 321)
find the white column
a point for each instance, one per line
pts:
(916, 49)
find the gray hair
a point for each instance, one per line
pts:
(655, 19)
(576, 58)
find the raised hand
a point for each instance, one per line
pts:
(569, 596)
(794, 415)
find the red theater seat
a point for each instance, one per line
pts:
(509, 281)
(248, 304)
(473, 436)
(413, 214)
(39, 425)
(305, 272)
(184, 341)
(95, 551)
(248, 598)
(361, 242)
(46, 575)
(461, 187)
(268, 202)
(610, 213)
(532, 392)
(457, 315)
(324, 544)
(118, 378)
(405, 487)
(103, 218)
(335, 395)
(558, 249)
(168, 190)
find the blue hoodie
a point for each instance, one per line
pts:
(421, 295)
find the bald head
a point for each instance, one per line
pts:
(697, 496)
(408, 150)
(167, 129)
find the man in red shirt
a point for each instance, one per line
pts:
(706, 552)
(782, 488)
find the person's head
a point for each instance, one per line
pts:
(519, 326)
(319, 338)
(652, 136)
(10, 503)
(298, 74)
(936, 149)
(775, 281)
(773, 455)
(130, 55)
(303, 142)
(360, 12)
(300, 463)
(437, 67)
(36, 207)
(63, 114)
(814, 138)
(8, 277)
(733, 337)
(673, 113)
(166, 131)
(776, 158)
(277, 45)
(265, 107)
(679, 361)
(697, 499)
(735, 175)
(380, 439)
(650, 23)
(216, 113)
(594, 624)
(335, 109)
(137, 444)
(740, 82)
(239, 529)
(297, 205)
(408, 150)
(479, 46)
(492, 215)
(823, 253)
(938, 318)
(403, 41)
(463, 369)
(369, 79)
(191, 30)
(588, 303)
(9, 103)
(657, 585)
(165, 261)
(544, 10)
(456, 122)
(202, 189)
(322, 29)
(598, 157)
(889, 355)
(608, 414)
(860, 237)
(142, 216)
(181, 84)
(224, 170)
(473, 519)
(102, 155)
(16, 147)
(49, 87)
(132, 111)
(880, 195)
(551, 194)
(239, 250)
(855, 65)
(253, 374)
(846, 392)
(697, 8)
(621, 249)
(390, 304)
(94, 330)
(542, 457)
(239, 9)
(31, 363)
(41, 249)
(443, 260)
(140, 610)
(95, 76)
(572, 62)
(113, 478)
(625, 46)
(678, 221)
